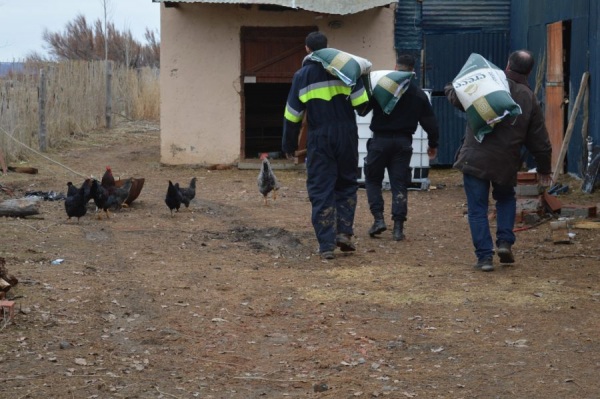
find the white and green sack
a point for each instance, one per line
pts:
(484, 93)
(387, 87)
(345, 66)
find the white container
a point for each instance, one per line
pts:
(419, 161)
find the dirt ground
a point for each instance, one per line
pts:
(231, 301)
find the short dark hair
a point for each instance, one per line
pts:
(521, 61)
(406, 60)
(316, 41)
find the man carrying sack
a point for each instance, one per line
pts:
(391, 148)
(332, 147)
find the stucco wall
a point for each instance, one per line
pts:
(200, 70)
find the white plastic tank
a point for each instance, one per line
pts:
(419, 161)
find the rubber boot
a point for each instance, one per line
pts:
(398, 233)
(378, 225)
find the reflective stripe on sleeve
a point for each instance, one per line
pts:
(360, 97)
(292, 115)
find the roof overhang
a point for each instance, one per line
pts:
(339, 7)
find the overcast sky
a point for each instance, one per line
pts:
(23, 21)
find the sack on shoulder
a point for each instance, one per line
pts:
(387, 87)
(483, 91)
(345, 66)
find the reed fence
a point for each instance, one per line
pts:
(75, 101)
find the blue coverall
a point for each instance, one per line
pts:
(332, 147)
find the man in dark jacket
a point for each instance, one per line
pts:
(391, 148)
(332, 148)
(496, 161)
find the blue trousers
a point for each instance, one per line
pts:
(391, 151)
(332, 167)
(478, 193)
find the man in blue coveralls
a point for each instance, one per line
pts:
(332, 148)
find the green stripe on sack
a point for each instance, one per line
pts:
(389, 88)
(325, 93)
(345, 66)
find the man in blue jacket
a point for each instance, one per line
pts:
(332, 147)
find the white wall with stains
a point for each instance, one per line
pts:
(201, 62)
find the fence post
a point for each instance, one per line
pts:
(42, 111)
(108, 94)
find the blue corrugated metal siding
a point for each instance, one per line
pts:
(452, 129)
(462, 14)
(408, 33)
(528, 28)
(519, 23)
(446, 54)
(578, 64)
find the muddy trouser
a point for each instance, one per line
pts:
(391, 151)
(332, 166)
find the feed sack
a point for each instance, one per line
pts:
(345, 66)
(387, 87)
(483, 91)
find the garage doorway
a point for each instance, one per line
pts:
(270, 57)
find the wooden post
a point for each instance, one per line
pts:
(20, 207)
(3, 163)
(108, 94)
(42, 111)
(571, 126)
(584, 130)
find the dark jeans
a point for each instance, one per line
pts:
(332, 167)
(392, 152)
(478, 193)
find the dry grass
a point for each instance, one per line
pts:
(76, 98)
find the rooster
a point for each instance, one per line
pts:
(108, 181)
(267, 181)
(188, 194)
(174, 197)
(75, 202)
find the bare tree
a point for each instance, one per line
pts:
(107, 12)
(84, 41)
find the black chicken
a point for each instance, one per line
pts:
(267, 181)
(118, 197)
(174, 197)
(188, 194)
(100, 196)
(75, 202)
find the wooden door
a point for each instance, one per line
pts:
(555, 95)
(273, 55)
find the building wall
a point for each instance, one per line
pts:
(449, 31)
(201, 61)
(529, 19)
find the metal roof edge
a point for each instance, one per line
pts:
(339, 7)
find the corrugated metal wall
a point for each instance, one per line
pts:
(529, 19)
(465, 14)
(409, 34)
(449, 31)
(447, 53)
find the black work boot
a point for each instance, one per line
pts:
(345, 243)
(505, 253)
(378, 225)
(398, 233)
(486, 265)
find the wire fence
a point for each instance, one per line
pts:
(75, 101)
